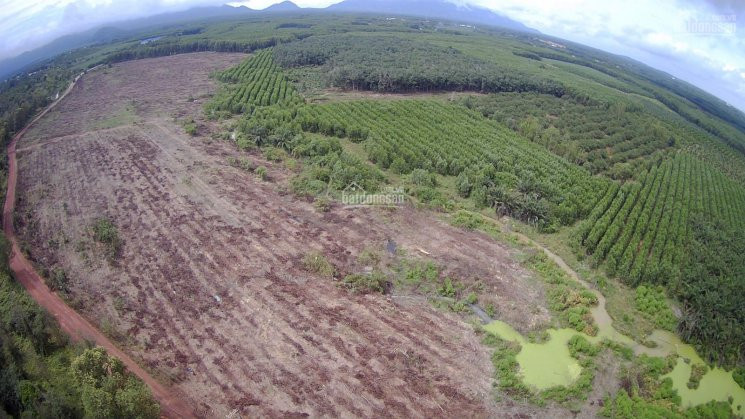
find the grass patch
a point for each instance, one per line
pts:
(362, 283)
(697, 373)
(242, 163)
(262, 173)
(317, 263)
(190, 127)
(124, 116)
(567, 299)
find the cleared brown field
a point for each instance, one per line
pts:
(209, 291)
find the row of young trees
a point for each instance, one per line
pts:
(494, 166)
(641, 230)
(693, 104)
(649, 232)
(606, 138)
(258, 82)
(255, 82)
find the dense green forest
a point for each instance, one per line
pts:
(647, 173)
(390, 64)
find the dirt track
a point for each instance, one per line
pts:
(72, 323)
(209, 290)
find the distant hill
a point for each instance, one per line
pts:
(58, 46)
(111, 32)
(439, 9)
(285, 6)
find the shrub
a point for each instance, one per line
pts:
(317, 263)
(446, 289)
(105, 232)
(58, 280)
(261, 172)
(739, 376)
(322, 204)
(472, 298)
(365, 283)
(421, 177)
(463, 185)
(275, 154)
(368, 257)
(651, 302)
(190, 127)
(579, 345)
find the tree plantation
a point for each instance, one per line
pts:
(621, 185)
(627, 176)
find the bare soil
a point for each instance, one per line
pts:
(209, 291)
(71, 322)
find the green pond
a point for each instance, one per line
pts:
(548, 364)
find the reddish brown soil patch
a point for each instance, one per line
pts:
(209, 289)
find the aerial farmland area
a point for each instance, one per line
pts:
(366, 210)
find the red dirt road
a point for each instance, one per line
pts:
(72, 323)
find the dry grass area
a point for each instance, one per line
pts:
(209, 290)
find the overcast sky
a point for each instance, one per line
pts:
(698, 41)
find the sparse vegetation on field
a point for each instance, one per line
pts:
(322, 204)
(242, 163)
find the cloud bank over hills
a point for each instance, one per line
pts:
(697, 41)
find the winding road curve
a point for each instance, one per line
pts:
(69, 320)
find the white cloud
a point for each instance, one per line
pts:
(659, 33)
